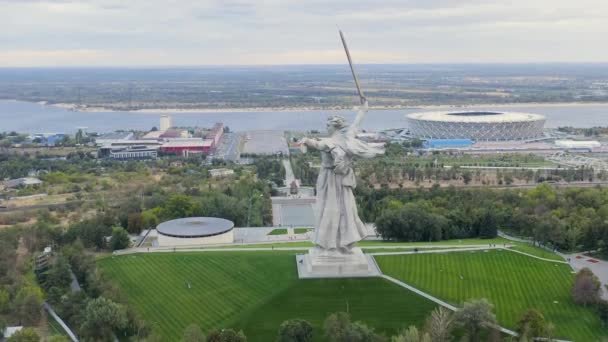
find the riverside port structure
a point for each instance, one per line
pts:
(476, 126)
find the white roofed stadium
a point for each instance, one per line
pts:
(476, 125)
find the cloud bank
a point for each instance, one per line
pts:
(210, 32)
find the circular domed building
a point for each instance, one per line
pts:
(195, 231)
(477, 126)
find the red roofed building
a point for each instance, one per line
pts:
(183, 146)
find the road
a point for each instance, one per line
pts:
(289, 176)
(228, 148)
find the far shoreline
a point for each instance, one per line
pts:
(97, 109)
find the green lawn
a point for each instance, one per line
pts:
(454, 243)
(254, 291)
(537, 251)
(512, 282)
(301, 230)
(278, 231)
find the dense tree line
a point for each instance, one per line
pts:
(563, 218)
(270, 168)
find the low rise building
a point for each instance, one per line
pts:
(578, 144)
(113, 138)
(134, 153)
(185, 146)
(22, 182)
(221, 172)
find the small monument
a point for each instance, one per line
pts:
(338, 227)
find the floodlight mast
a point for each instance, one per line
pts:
(352, 69)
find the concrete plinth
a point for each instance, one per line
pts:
(325, 264)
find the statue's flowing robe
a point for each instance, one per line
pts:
(337, 223)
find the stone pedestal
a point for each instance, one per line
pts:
(333, 264)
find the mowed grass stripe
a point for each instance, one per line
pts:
(375, 301)
(512, 282)
(222, 286)
(254, 291)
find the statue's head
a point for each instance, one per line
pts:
(335, 123)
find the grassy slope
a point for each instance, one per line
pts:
(377, 302)
(537, 251)
(512, 282)
(254, 291)
(278, 231)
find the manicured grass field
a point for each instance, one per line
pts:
(253, 291)
(278, 231)
(301, 230)
(511, 281)
(375, 301)
(537, 251)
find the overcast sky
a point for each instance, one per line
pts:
(203, 32)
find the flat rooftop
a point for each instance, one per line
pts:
(193, 227)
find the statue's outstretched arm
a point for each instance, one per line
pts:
(354, 127)
(314, 143)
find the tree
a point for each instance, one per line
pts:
(226, 335)
(474, 317)
(531, 324)
(412, 222)
(587, 288)
(4, 301)
(411, 334)
(295, 330)
(28, 303)
(135, 223)
(58, 275)
(466, 177)
(193, 333)
(24, 335)
(102, 317)
(58, 338)
(120, 238)
(440, 324)
(339, 328)
(602, 311)
(178, 206)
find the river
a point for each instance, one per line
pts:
(28, 117)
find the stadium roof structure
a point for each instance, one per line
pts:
(193, 227)
(476, 125)
(470, 117)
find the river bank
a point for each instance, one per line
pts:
(80, 108)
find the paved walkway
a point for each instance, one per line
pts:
(240, 248)
(289, 177)
(65, 327)
(599, 267)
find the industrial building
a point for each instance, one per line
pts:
(136, 152)
(48, 139)
(113, 138)
(195, 231)
(184, 146)
(476, 126)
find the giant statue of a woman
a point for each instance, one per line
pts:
(338, 225)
